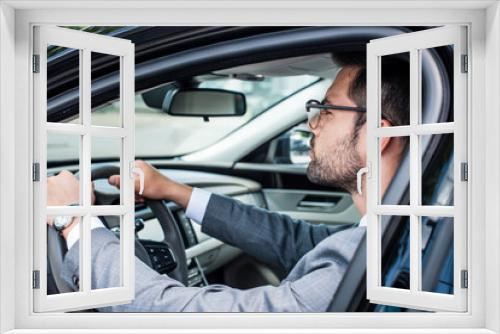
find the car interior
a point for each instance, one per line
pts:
(259, 158)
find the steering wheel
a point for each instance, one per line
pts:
(56, 245)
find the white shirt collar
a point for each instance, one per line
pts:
(363, 221)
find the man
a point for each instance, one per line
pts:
(315, 256)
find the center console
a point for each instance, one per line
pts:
(195, 274)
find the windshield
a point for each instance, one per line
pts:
(161, 135)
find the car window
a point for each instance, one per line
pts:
(292, 147)
(161, 135)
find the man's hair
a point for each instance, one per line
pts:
(395, 99)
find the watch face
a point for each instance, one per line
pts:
(60, 222)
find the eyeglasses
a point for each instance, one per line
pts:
(313, 109)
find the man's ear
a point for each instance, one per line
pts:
(384, 141)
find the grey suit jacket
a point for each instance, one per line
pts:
(315, 256)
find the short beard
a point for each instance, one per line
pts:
(338, 167)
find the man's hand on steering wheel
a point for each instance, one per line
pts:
(64, 189)
(157, 186)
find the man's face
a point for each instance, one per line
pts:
(336, 152)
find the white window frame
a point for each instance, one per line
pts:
(85, 43)
(415, 44)
(16, 21)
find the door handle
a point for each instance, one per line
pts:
(315, 205)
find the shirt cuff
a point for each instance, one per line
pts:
(363, 221)
(74, 234)
(197, 205)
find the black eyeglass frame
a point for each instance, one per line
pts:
(320, 105)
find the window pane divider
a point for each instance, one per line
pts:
(419, 210)
(95, 210)
(415, 180)
(78, 129)
(415, 263)
(417, 129)
(85, 171)
(107, 131)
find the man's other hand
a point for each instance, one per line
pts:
(156, 185)
(63, 189)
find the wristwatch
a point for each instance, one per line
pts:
(61, 222)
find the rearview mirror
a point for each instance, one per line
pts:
(204, 102)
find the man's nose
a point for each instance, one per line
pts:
(314, 129)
